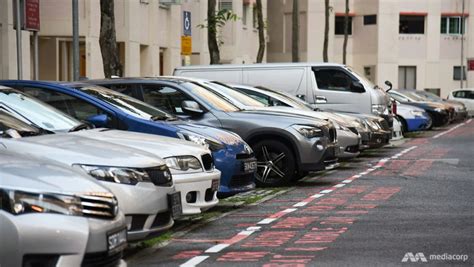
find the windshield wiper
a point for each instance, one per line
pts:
(79, 127)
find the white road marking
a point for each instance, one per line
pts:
(347, 181)
(326, 191)
(267, 221)
(339, 185)
(216, 248)
(254, 228)
(300, 204)
(448, 131)
(317, 195)
(194, 261)
(289, 210)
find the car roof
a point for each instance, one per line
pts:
(283, 64)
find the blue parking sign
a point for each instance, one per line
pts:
(186, 23)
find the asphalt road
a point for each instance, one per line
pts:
(393, 206)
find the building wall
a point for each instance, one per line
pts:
(148, 34)
(380, 47)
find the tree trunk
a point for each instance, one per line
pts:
(108, 41)
(261, 32)
(295, 40)
(326, 31)
(212, 32)
(346, 33)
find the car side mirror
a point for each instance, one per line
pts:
(191, 107)
(100, 120)
(357, 87)
(389, 84)
(321, 100)
(302, 97)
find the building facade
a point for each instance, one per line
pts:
(148, 36)
(414, 44)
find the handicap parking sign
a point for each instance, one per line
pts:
(186, 23)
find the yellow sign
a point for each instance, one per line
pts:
(186, 45)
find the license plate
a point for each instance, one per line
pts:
(174, 203)
(250, 166)
(215, 185)
(117, 240)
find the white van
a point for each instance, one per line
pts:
(323, 85)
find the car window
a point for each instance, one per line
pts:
(71, 105)
(257, 96)
(332, 79)
(236, 96)
(126, 89)
(7, 121)
(212, 98)
(164, 97)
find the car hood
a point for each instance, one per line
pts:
(71, 149)
(286, 118)
(22, 172)
(432, 105)
(157, 145)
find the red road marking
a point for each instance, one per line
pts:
(339, 220)
(198, 240)
(186, 254)
(321, 235)
(295, 222)
(312, 249)
(382, 193)
(252, 256)
(319, 208)
(332, 201)
(270, 239)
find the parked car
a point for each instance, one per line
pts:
(141, 181)
(191, 165)
(52, 215)
(460, 111)
(347, 141)
(284, 100)
(439, 113)
(465, 96)
(285, 146)
(106, 108)
(380, 133)
(413, 118)
(324, 85)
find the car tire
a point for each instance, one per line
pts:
(275, 163)
(404, 124)
(430, 126)
(300, 175)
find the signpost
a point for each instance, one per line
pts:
(186, 38)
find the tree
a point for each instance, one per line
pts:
(326, 30)
(346, 33)
(261, 32)
(108, 40)
(295, 39)
(214, 22)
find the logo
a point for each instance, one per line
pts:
(414, 258)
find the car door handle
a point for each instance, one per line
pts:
(321, 99)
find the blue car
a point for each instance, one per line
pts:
(106, 108)
(413, 118)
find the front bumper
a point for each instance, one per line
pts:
(198, 188)
(145, 207)
(234, 179)
(439, 118)
(376, 139)
(418, 123)
(348, 143)
(66, 240)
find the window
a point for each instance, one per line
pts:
(464, 94)
(225, 4)
(335, 80)
(245, 10)
(412, 24)
(457, 73)
(452, 25)
(164, 97)
(73, 106)
(339, 26)
(407, 77)
(370, 19)
(436, 91)
(254, 17)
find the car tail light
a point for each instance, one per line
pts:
(394, 107)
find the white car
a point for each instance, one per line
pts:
(141, 181)
(53, 215)
(465, 96)
(191, 165)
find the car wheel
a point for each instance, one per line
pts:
(430, 125)
(404, 124)
(275, 163)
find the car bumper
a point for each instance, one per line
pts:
(417, 124)
(439, 119)
(234, 179)
(196, 191)
(376, 139)
(145, 207)
(348, 143)
(70, 240)
(460, 115)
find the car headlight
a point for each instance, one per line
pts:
(340, 127)
(378, 109)
(308, 131)
(19, 202)
(416, 113)
(439, 110)
(118, 175)
(184, 163)
(208, 142)
(373, 125)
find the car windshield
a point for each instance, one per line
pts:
(413, 96)
(9, 122)
(238, 96)
(127, 104)
(362, 78)
(429, 95)
(292, 100)
(37, 112)
(215, 100)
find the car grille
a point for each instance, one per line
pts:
(99, 206)
(138, 222)
(160, 176)
(354, 130)
(101, 259)
(244, 156)
(209, 196)
(384, 124)
(332, 135)
(352, 149)
(241, 180)
(208, 162)
(161, 219)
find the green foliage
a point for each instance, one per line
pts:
(219, 20)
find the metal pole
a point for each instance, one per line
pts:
(75, 40)
(36, 57)
(19, 61)
(462, 45)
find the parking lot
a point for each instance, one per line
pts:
(410, 201)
